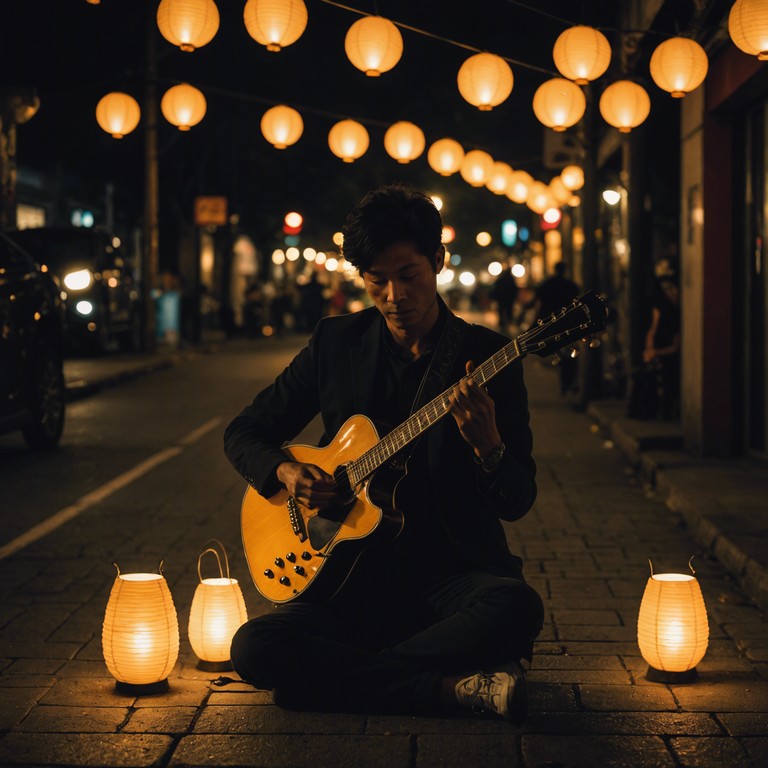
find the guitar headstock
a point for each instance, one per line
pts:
(585, 316)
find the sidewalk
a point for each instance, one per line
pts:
(585, 544)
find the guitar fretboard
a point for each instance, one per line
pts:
(429, 414)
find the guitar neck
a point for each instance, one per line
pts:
(429, 414)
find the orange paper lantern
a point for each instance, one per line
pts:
(189, 24)
(476, 167)
(183, 106)
(275, 23)
(625, 105)
(404, 141)
(748, 27)
(445, 156)
(485, 80)
(374, 45)
(679, 66)
(282, 126)
(582, 54)
(559, 103)
(118, 114)
(348, 140)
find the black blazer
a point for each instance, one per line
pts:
(333, 376)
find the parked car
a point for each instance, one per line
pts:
(102, 299)
(32, 391)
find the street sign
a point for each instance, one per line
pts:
(210, 211)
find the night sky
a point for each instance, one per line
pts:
(73, 53)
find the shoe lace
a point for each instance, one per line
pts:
(480, 693)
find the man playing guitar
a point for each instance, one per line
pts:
(438, 614)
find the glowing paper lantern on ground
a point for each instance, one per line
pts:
(582, 54)
(748, 27)
(140, 636)
(573, 177)
(217, 612)
(672, 626)
(499, 177)
(282, 126)
(625, 105)
(679, 66)
(373, 45)
(183, 106)
(275, 23)
(445, 156)
(559, 103)
(189, 24)
(348, 140)
(476, 167)
(404, 141)
(485, 80)
(518, 186)
(118, 113)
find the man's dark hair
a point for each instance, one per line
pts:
(391, 214)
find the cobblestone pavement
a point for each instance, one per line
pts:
(586, 545)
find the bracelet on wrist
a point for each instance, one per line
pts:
(493, 459)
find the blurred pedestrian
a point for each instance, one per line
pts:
(504, 292)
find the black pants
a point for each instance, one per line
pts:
(386, 650)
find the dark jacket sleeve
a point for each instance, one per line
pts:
(253, 439)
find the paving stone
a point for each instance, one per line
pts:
(118, 750)
(97, 692)
(723, 696)
(566, 661)
(545, 697)
(710, 752)
(745, 724)
(447, 751)
(26, 681)
(271, 719)
(16, 703)
(637, 723)
(35, 649)
(62, 719)
(590, 751)
(592, 618)
(596, 634)
(172, 720)
(630, 698)
(757, 749)
(570, 676)
(32, 667)
(455, 723)
(294, 751)
(239, 698)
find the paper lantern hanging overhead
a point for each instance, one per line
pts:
(374, 45)
(140, 635)
(748, 27)
(679, 66)
(118, 114)
(275, 23)
(625, 105)
(582, 54)
(518, 186)
(485, 80)
(183, 106)
(498, 178)
(404, 141)
(348, 140)
(282, 126)
(559, 103)
(539, 197)
(445, 156)
(573, 177)
(476, 167)
(189, 24)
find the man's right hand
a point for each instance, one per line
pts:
(311, 486)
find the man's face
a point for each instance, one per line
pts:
(402, 283)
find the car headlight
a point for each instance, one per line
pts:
(79, 280)
(84, 308)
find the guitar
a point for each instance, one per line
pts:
(297, 552)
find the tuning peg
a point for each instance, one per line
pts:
(555, 360)
(594, 343)
(574, 353)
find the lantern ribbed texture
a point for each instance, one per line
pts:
(748, 27)
(581, 54)
(445, 156)
(485, 80)
(573, 177)
(282, 126)
(499, 177)
(672, 626)
(189, 24)
(217, 612)
(348, 140)
(373, 45)
(625, 105)
(559, 103)
(275, 23)
(404, 141)
(140, 637)
(183, 106)
(476, 167)
(518, 186)
(118, 113)
(679, 66)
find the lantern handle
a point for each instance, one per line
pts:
(690, 565)
(214, 552)
(114, 562)
(651, 564)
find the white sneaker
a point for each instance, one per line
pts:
(503, 693)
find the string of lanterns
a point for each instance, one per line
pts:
(374, 45)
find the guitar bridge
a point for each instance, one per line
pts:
(296, 518)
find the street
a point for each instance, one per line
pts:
(141, 478)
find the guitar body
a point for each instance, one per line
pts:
(296, 552)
